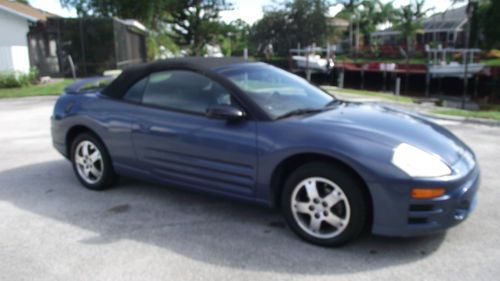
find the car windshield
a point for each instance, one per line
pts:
(279, 93)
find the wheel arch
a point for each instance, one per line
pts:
(77, 130)
(292, 162)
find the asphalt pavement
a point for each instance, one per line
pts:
(51, 228)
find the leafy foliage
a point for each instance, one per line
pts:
(234, 37)
(148, 12)
(272, 29)
(488, 14)
(18, 79)
(307, 20)
(191, 23)
(409, 20)
(160, 45)
(365, 15)
(294, 22)
(195, 23)
(375, 13)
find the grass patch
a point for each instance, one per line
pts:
(49, 89)
(495, 115)
(491, 62)
(385, 96)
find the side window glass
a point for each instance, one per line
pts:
(135, 92)
(185, 91)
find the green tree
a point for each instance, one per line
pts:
(364, 16)
(148, 12)
(195, 23)
(408, 21)
(286, 25)
(234, 37)
(484, 23)
(160, 44)
(488, 15)
(373, 13)
(350, 11)
(191, 23)
(272, 29)
(308, 21)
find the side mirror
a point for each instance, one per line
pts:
(227, 112)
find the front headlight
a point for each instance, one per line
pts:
(418, 163)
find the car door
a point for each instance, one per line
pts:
(177, 143)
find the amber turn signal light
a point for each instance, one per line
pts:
(426, 193)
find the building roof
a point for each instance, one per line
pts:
(447, 21)
(132, 23)
(450, 20)
(25, 11)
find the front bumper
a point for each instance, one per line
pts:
(396, 214)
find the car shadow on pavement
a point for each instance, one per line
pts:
(209, 229)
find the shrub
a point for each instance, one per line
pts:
(493, 54)
(18, 79)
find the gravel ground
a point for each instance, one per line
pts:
(53, 229)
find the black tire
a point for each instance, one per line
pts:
(108, 177)
(350, 186)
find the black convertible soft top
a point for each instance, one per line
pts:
(131, 75)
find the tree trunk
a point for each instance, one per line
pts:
(350, 37)
(408, 52)
(357, 36)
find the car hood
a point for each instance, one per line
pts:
(390, 126)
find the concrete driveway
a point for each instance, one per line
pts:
(53, 229)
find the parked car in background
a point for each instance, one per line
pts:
(254, 132)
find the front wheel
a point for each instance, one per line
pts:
(91, 162)
(324, 204)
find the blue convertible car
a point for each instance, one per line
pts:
(251, 131)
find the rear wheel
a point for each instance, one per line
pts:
(324, 204)
(91, 162)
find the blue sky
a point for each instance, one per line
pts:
(248, 10)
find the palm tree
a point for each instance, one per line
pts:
(408, 21)
(366, 15)
(375, 13)
(386, 12)
(351, 7)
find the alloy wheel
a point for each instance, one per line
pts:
(320, 207)
(89, 162)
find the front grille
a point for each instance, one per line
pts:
(422, 213)
(421, 208)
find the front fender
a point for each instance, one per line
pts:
(369, 157)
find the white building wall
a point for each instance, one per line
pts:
(14, 54)
(5, 59)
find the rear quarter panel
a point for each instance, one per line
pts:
(107, 118)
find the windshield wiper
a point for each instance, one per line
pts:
(300, 111)
(333, 102)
